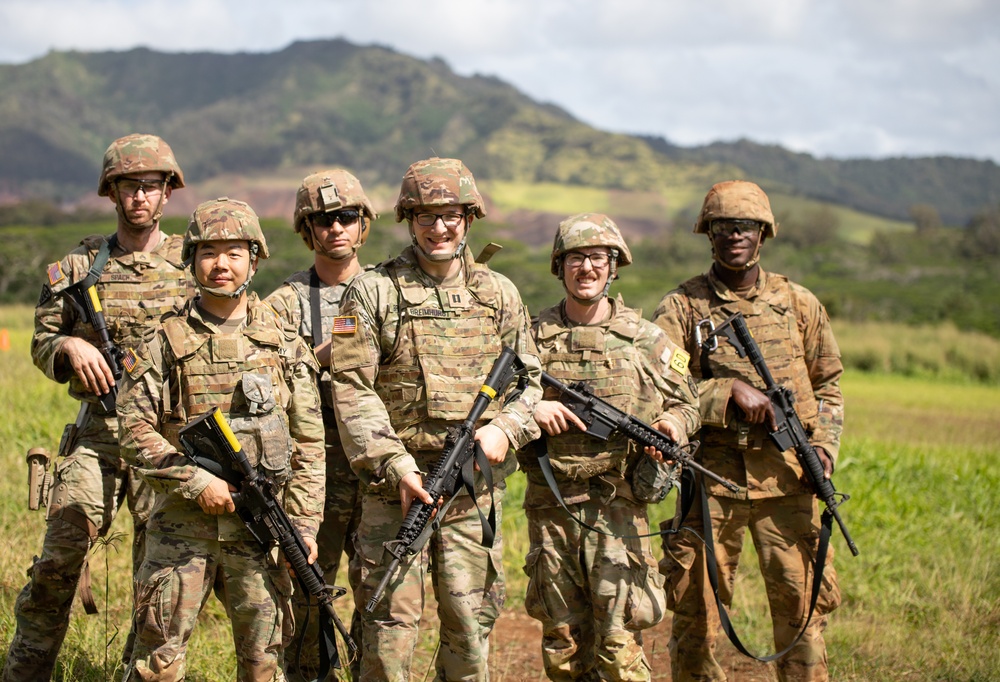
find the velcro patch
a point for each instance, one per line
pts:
(345, 324)
(130, 361)
(55, 273)
(679, 361)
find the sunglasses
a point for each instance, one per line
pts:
(346, 216)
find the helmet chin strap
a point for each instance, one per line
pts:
(593, 300)
(220, 292)
(742, 268)
(154, 219)
(318, 244)
(442, 258)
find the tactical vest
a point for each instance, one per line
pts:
(243, 375)
(773, 320)
(447, 341)
(605, 358)
(318, 305)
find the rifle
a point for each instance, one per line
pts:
(211, 444)
(84, 298)
(446, 476)
(789, 432)
(603, 420)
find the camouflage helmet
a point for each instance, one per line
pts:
(438, 182)
(588, 229)
(737, 200)
(224, 219)
(327, 191)
(139, 154)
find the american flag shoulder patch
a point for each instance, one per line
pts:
(130, 360)
(345, 324)
(55, 273)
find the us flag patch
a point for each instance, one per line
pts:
(345, 324)
(55, 273)
(130, 360)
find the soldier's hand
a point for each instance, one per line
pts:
(756, 406)
(669, 430)
(494, 443)
(310, 543)
(411, 487)
(554, 418)
(826, 460)
(216, 498)
(323, 353)
(88, 364)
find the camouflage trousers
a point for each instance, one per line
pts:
(594, 594)
(468, 582)
(177, 578)
(785, 532)
(88, 487)
(341, 516)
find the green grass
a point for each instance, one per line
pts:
(920, 461)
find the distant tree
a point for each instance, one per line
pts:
(925, 217)
(982, 235)
(816, 227)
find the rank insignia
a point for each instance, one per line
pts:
(345, 324)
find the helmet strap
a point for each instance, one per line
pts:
(749, 264)
(593, 300)
(442, 258)
(157, 213)
(219, 292)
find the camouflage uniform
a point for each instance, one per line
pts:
(263, 378)
(594, 593)
(92, 481)
(408, 370)
(308, 304)
(793, 332)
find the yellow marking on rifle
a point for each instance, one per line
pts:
(94, 300)
(489, 391)
(226, 431)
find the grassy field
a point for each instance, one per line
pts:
(920, 460)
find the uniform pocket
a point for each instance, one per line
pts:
(675, 565)
(646, 603)
(534, 600)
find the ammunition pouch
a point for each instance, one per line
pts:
(39, 478)
(651, 480)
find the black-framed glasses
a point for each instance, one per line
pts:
(130, 186)
(728, 227)
(449, 219)
(345, 216)
(575, 259)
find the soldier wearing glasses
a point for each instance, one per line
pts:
(140, 277)
(417, 336)
(333, 216)
(775, 503)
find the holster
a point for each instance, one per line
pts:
(39, 478)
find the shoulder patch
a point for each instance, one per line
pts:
(130, 361)
(45, 296)
(679, 361)
(55, 273)
(345, 324)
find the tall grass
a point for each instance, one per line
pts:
(920, 461)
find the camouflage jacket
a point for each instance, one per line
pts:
(263, 378)
(793, 332)
(410, 359)
(630, 363)
(135, 290)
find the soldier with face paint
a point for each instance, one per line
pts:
(139, 275)
(333, 216)
(595, 593)
(775, 502)
(414, 341)
(229, 350)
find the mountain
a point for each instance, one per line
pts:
(373, 110)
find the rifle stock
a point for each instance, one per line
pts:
(603, 419)
(789, 432)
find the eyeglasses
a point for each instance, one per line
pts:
(449, 219)
(130, 187)
(574, 259)
(729, 227)
(345, 216)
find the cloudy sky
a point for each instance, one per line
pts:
(840, 78)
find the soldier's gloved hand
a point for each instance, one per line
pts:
(554, 418)
(216, 498)
(89, 365)
(756, 406)
(411, 487)
(494, 443)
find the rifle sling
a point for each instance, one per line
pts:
(314, 306)
(100, 260)
(686, 497)
(826, 523)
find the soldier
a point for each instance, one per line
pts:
(595, 593)
(227, 349)
(416, 337)
(139, 275)
(333, 216)
(776, 504)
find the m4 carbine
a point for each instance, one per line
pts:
(789, 432)
(603, 420)
(211, 444)
(87, 302)
(446, 476)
